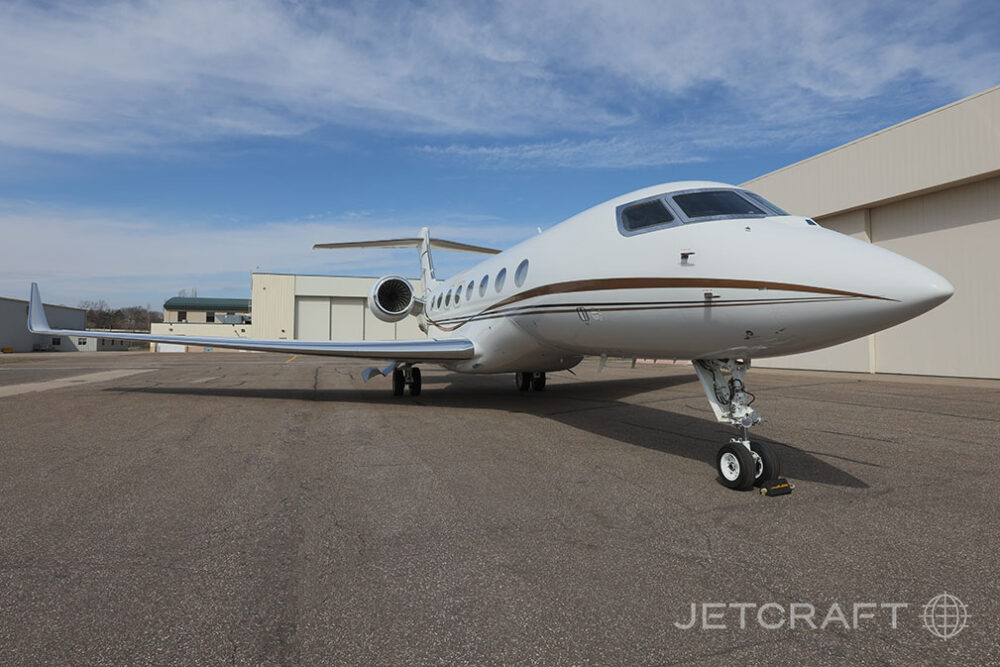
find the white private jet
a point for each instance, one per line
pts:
(690, 270)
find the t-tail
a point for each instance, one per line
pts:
(424, 245)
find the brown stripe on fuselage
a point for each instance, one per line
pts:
(598, 284)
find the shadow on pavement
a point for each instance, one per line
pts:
(592, 406)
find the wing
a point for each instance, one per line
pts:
(448, 349)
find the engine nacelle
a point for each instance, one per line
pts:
(392, 299)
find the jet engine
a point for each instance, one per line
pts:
(391, 299)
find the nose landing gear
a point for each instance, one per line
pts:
(740, 463)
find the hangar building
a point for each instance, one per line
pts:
(287, 306)
(15, 337)
(928, 189)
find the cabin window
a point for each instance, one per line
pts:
(468, 290)
(647, 214)
(717, 204)
(447, 298)
(483, 285)
(521, 273)
(501, 277)
(458, 294)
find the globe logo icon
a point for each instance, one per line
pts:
(945, 616)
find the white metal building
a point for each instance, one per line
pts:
(322, 308)
(928, 189)
(289, 306)
(15, 337)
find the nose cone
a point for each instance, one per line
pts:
(938, 290)
(918, 289)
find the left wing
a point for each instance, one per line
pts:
(448, 349)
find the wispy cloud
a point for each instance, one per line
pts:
(122, 257)
(587, 83)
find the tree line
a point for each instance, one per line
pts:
(131, 318)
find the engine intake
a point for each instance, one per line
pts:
(391, 298)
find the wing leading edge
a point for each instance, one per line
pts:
(395, 350)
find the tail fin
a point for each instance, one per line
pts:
(424, 244)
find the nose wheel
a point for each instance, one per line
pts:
(736, 466)
(742, 464)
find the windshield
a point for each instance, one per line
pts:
(717, 204)
(646, 214)
(765, 203)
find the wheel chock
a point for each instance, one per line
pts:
(776, 487)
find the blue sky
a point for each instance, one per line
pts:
(148, 147)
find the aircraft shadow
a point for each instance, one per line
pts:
(591, 406)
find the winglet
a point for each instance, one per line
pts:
(37, 322)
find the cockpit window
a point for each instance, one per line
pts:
(647, 214)
(763, 202)
(716, 203)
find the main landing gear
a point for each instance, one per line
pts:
(741, 464)
(526, 381)
(406, 376)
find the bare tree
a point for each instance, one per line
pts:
(136, 318)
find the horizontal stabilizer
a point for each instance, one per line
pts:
(435, 244)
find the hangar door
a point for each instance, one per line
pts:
(347, 318)
(955, 232)
(329, 318)
(339, 318)
(312, 318)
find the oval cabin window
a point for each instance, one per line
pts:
(521, 274)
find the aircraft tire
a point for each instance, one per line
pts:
(736, 467)
(537, 381)
(770, 466)
(522, 381)
(398, 383)
(415, 383)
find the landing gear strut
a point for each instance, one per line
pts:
(407, 376)
(740, 464)
(526, 381)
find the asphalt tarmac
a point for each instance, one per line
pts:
(263, 509)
